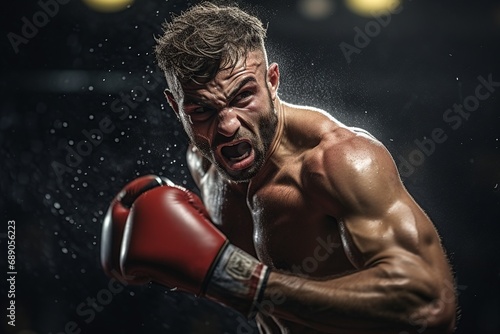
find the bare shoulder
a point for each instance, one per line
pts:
(361, 167)
(352, 166)
(197, 164)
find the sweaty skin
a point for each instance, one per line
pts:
(321, 204)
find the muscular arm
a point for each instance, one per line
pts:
(403, 282)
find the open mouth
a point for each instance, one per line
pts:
(237, 155)
(236, 152)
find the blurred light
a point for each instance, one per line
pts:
(70, 81)
(371, 7)
(108, 5)
(316, 9)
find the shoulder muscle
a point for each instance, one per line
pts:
(355, 169)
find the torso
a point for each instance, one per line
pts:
(291, 228)
(278, 216)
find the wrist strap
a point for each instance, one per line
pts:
(238, 280)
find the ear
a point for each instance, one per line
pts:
(171, 101)
(273, 79)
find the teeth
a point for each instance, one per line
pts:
(240, 158)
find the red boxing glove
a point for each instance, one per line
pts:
(156, 231)
(115, 220)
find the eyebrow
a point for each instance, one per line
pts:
(243, 82)
(230, 96)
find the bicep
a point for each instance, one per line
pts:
(380, 216)
(403, 231)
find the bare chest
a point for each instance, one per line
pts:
(280, 223)
(292, 232)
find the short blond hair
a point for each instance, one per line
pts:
(205, 39)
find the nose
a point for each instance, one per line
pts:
(228, 122)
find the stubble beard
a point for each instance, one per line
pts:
(267, 128)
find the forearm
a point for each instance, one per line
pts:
(367, 301)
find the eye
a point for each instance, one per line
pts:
(200, 113)
(199, 110)
(242, 97)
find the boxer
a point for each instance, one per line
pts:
(303, 221)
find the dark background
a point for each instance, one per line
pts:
(76, 69)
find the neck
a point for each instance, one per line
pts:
(278, 107)
(275, 144)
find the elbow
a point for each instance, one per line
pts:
(433, 317)
(432, 313)
(426, 303)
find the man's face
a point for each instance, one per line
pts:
(231, 119)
